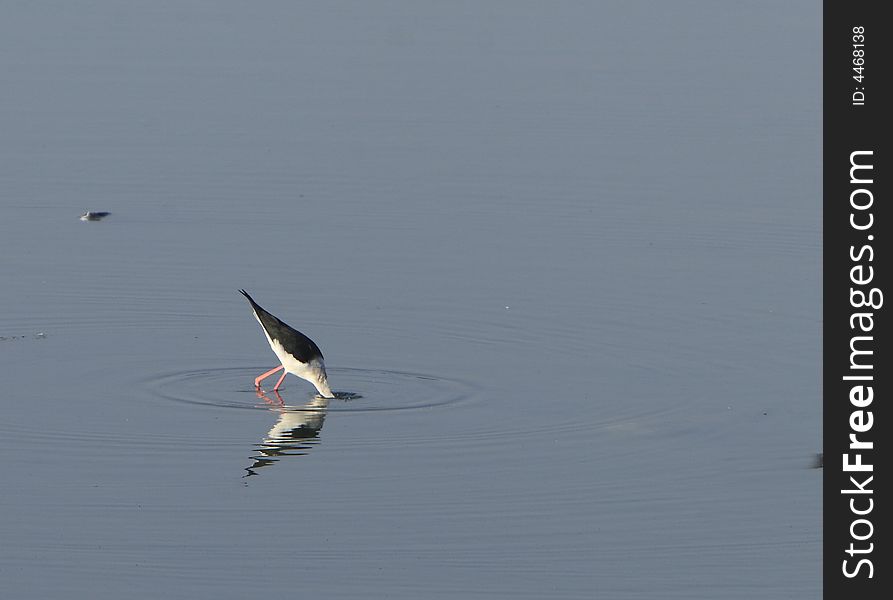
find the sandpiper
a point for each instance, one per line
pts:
(298, 354)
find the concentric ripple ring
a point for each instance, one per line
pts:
(356, 389)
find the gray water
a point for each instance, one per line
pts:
(564, 257)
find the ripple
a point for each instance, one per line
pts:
(357, 390)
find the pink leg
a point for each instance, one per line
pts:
(278, 383)
(260, 378)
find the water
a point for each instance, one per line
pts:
(563, 262)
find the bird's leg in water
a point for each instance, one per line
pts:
(278, 383)
(260, 378)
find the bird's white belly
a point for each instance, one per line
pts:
(314, 371)
(310, 371)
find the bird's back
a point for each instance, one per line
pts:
(292, 341)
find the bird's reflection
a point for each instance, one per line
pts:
(296, 430)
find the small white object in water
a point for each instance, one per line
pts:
(94, 216)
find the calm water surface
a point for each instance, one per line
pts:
(563, 262)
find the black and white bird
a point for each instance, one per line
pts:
(298, 354)
(94, 215)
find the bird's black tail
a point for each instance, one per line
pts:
(296, 343)
(254, 304)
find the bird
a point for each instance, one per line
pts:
(298, 354)
(94, 215)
